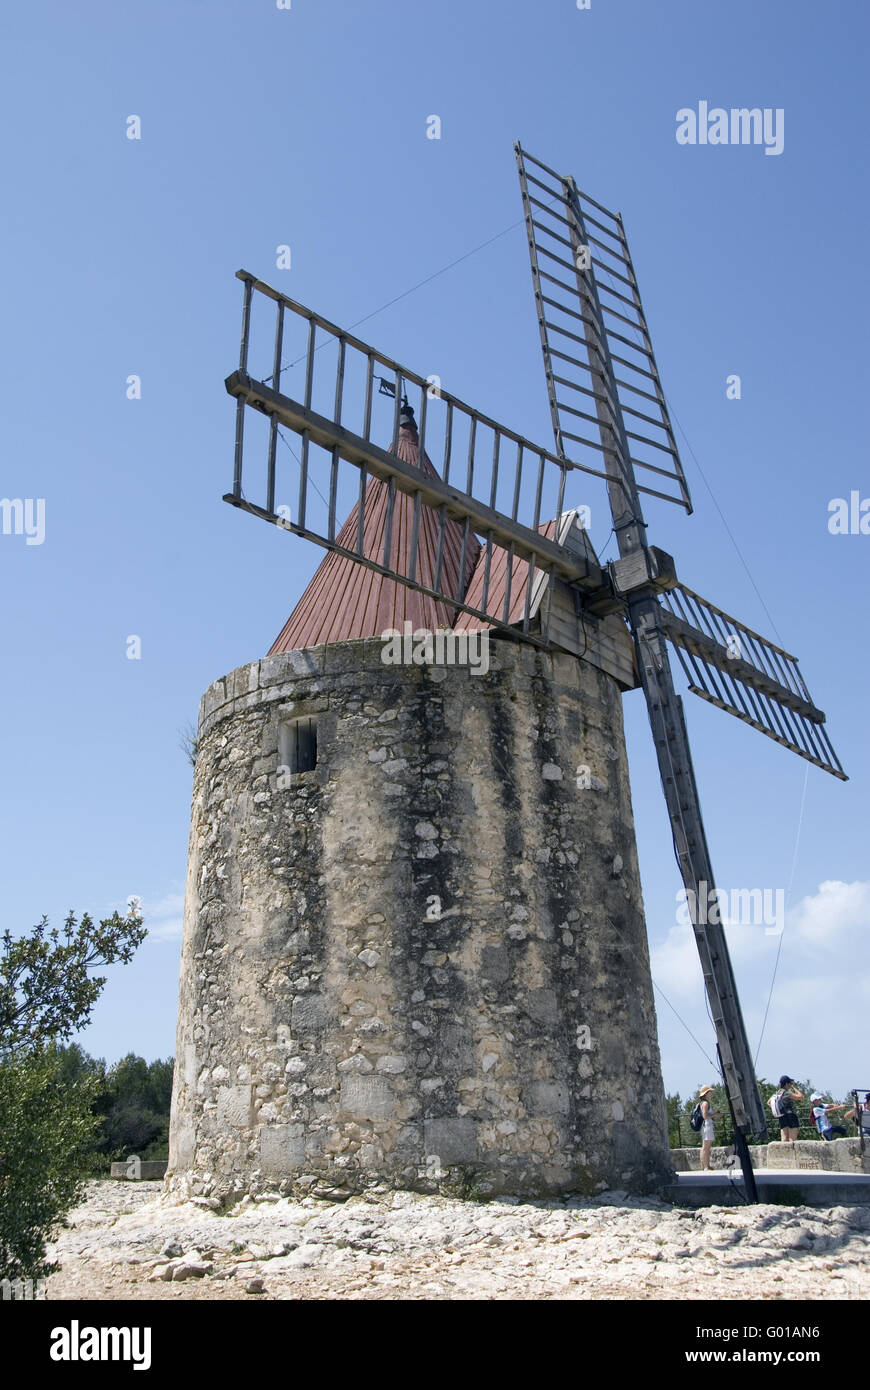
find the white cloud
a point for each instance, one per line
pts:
(837, 909)
(817, 1025)
(675, 966)
(163, 917)
(804, 995)
(820, 923)
(677, 969)
(823, 919)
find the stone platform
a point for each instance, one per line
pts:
(796, 1188)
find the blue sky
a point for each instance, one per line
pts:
(307, 127)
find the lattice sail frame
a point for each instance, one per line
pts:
(565, 246)
(747, 676)
(334, 411)
(736, 669)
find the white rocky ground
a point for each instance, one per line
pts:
(125, 1242)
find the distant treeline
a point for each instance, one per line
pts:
(131, 1101)
(682, 1136)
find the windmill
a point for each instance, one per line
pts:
(501, 550)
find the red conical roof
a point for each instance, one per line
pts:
(345, 600)
(498, 570)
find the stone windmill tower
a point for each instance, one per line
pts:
(414, 946)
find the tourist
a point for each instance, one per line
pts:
(785, 1109)
(820, 1115)
(707, 1127)
(861, 1115)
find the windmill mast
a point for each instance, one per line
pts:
(639, 574)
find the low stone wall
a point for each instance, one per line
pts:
(838, 1156)
(148, 1170)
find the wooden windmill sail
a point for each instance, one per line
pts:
(338, 607)
(482, 533)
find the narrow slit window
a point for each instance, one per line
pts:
(298, 747)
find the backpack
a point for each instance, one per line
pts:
(696, 1119)
(782, 1103)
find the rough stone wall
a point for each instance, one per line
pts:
(424, 962)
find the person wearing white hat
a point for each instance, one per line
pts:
(707, 1128)
(820, 1115)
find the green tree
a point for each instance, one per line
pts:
(678, 1127)
(47, 1129)
(135, 1108)
(47, 990)
(74, 1064)
(47, 1094)
(131, 1102)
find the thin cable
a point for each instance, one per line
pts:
(787, 900)
(770, 618)
(719, 1066)
(606, 544)
(706, 482)
(700, 1046)
(731, 536)
(758, 593)
(289, 446)
(419, 285)
(442, 271)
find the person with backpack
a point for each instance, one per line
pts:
(783, 1108)
(701, 1120)
(820, 1115)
